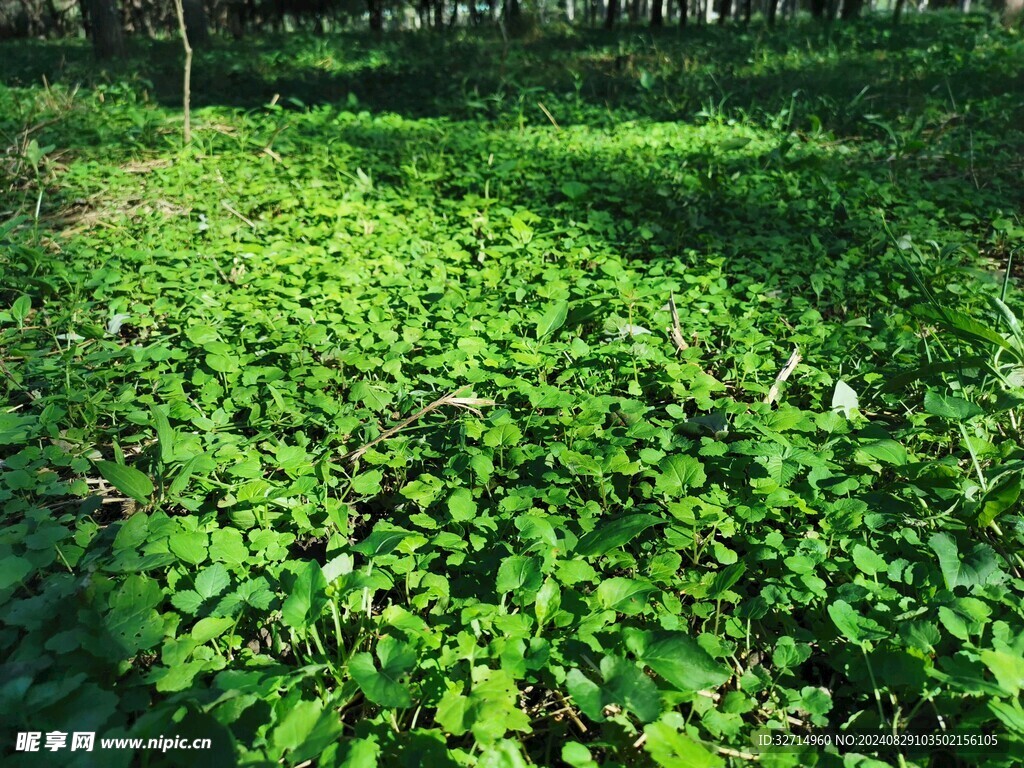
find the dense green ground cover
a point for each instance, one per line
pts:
(605, 550)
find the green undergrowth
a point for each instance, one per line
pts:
(599, 544)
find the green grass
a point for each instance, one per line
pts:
(599, 548)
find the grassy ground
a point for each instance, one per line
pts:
(361, 430)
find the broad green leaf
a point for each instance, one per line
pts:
(374, 397)
(622, 595)
(725, 579)
(671, 749)
(503, 436)
(678, 659)
(519, 574)
(490, 710)
(679, 473)
(424, 489)
(966, 327)
(623, 686)
(1008, 669)
(308, 598)
(132, 621)
(296, 725)
(367, 483)
(128, 480)
(20, 309)
(164, 433)
(383, 539)
(574, 190)
(949, 406)
(885, 451)
(553, 318)
(970, 569)
(228, 546)
(868, 561)
(854, 627)
(505, 753)
(190, 546)
(210, 627)
(615, 534)
(844, 399)
(999, 498)
(789, 654)
(382, 685)
(461, 506)
(548, 601)
(361, 753)
(13, 570)
(212, 581)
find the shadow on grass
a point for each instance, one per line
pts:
(805, 75)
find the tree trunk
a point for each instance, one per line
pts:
(897, 12)
(236, 18)
(851, 9)
(570, 11)
(747, 11)
(724, 10)
(1013, 11)
(682, 13)
(83, 8)
(195, 22)
(657, 13)
(438, 14)
(613, 12)
(773, 9)
(107, 41)
(376, 8)
(818, 8)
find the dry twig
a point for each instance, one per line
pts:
(773, 393)
(452, 398)
(676, 330)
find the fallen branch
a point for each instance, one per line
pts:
(452, 398)
(549, 116)
(227, 206)
(676, 331)
(580, 726)
(773, 393)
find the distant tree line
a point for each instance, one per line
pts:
(107, 21)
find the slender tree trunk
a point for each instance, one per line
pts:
(657, 14)
(438, 14)
(851, 9)
(610, 16)
(724, 10)
(570, 11)
(187, 88)
(747, 10)
(1013, 12)
(773, 9)
(818, 8)
(107, 40)
(195, 22)
(682, 13)
(376, 9)
(897, 12)
(83, 8)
